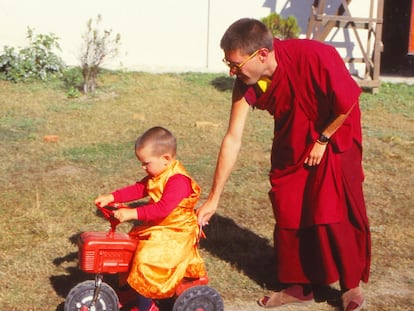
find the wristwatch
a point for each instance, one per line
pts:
(323, 140)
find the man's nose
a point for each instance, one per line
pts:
(232, 71)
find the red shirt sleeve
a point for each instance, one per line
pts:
(131, 193)
(177, 188)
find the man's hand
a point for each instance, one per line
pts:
(316, 154)
(205, 212)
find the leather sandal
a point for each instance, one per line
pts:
(353, 299)
(292, 295)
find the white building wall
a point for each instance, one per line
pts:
(157, 36)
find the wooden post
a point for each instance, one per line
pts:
(411, 39)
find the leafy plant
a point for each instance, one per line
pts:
(37, 61)
(73, 92)
(282, 28)
(72, 78)
(97, 47)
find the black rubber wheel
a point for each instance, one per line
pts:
(199, 298)
(82, 295)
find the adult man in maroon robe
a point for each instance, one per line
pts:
(321, 233)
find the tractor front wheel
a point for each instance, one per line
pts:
(80, 298)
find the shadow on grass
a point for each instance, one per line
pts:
(243, 249)
(64, 283)
(253, 255)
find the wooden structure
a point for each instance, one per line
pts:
(321, 24)
(411, 38)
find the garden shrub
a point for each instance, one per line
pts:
(37, 61)
(282, 28)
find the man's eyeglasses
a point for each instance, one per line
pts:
(237, 66)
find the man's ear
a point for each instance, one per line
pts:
(263, 54)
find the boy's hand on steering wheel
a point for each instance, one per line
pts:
(104, 200)
(125, 214)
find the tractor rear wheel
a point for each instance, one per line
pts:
(199, 298)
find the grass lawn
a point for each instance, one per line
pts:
(47, 187)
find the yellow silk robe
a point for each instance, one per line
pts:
(167, 252)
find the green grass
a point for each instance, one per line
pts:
(47, 189)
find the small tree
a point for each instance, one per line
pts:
(97, 47)
(282, 28)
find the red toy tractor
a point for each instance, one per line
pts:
(111, 252)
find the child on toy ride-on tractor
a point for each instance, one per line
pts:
(167, 238)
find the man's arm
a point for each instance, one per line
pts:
(227, 157)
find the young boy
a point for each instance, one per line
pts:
(167, 248)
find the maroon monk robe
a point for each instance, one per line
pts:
(322, 231)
